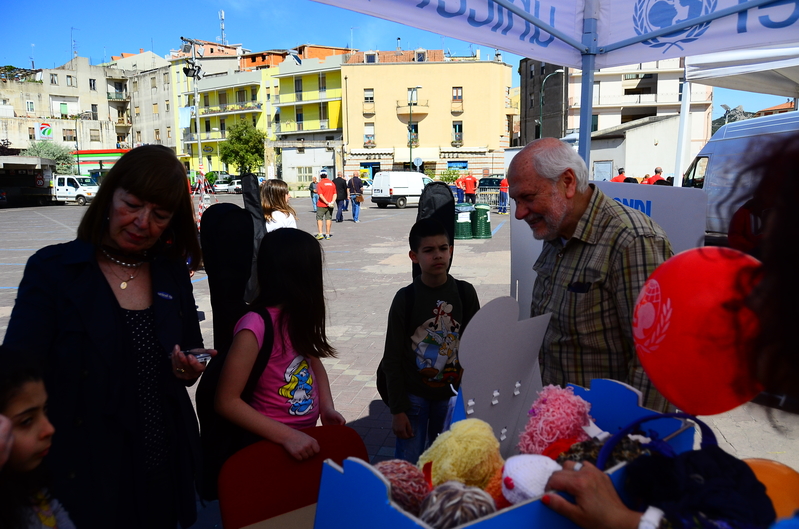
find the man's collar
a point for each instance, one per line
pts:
(586, 229)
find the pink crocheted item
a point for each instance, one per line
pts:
(557, 414)
(408, 485)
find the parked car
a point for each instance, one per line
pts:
(490, 181)
(222, 187)
(235, 187)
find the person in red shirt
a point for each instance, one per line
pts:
(620, 177)
(470, 188)
(655, 177)
(459, 189)
(502, 207)
(324, 207)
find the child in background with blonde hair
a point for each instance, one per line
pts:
(275, 203)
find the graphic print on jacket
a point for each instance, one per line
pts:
(435, 343)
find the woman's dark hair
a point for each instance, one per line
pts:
(154, 174)
(775, 357)
(17, 489)
(290, 275)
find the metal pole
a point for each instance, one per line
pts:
(77, 146)
(683, 138)
(541, 103)
(197, 108)
(410, 130)
(590, 16)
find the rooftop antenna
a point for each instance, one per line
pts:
(73, 44)
(33, 49)
(222, 26)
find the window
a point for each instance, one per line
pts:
(413, 95)
(301, 148)
(223, 98)
(92, 84)
(54, 78)
(457, 132)
(29, 106)
(69, 135)
(370, 57)
(254, 94)
(631, 76)
(153, 83)
(94, 135)
(205, 100)
(138, 136)
(155, 109)
(595, 123)
(158, 135)
(169, 133)
(166, 78)
(241, 96)
(136, 111)
(94, 111)
(322, 82)
(323, 112)
(207, 125)
(31, 133)
(166, 105)
(413, 134)
(421, 55)
(457, 93)
(368, 95)
(304, 174)
(368, 134)
(71, 80)
(135, 85)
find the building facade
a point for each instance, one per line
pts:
(406, 106)
(549, 111)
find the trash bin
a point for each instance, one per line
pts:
(481, 221)
(463, 221)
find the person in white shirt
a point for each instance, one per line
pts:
(275, 203)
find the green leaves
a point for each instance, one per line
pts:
(62, 155)
(244, 147)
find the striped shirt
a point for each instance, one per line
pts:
(590, 285)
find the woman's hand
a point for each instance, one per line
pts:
(597, 505)
(300, 445)
(331, 416)
(186, 366)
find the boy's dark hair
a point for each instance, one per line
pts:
(290, 275)
(17, 490)
(428, 227)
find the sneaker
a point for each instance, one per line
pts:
(327, 236)
(357, 221)
(319, 237)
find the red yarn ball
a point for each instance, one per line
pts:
(409, 488)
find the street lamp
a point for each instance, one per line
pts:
(77, 138)
(412, 98)
(194, 70)
(541, 103)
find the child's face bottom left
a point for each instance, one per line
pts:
(32, 431)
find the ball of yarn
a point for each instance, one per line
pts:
(525, 476)
(557, 414)
(408, 486)
(452, 504)
(494, 489)
(468, 452)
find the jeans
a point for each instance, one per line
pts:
(314, 199)
(460, 196)
(340, 211)
(356, 208)
(502, 207)
(427, 421)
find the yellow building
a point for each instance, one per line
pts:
(449, 112)
(308, 124)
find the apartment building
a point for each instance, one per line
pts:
(308, 124)
(421, 105)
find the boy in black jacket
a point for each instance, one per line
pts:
(420, 358)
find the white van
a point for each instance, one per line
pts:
(79, 189)
(398, 187)
(715, 169)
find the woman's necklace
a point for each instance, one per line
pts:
(131, 275)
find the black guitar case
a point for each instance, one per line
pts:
(437, 202)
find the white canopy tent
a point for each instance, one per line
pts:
(762, 70)
(591, 34)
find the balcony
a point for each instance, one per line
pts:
(457, 139)
(293, 98)
(369, 141)
(457, 106)
(232, 108)
(327, 144)
(216, 135)
(672, 98)
(122, 122)
(118, 96)
(404, 108)
(369, 107)
(290, 127)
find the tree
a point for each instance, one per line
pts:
(244, 147)
(65, 161)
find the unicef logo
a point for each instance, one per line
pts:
(651, 15)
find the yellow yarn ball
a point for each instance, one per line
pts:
(468, 453)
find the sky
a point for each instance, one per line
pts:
(100, 30)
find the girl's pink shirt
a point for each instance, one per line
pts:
(286, 391)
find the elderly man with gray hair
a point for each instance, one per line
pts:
(596, 257)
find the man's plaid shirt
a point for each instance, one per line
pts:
(590, 286)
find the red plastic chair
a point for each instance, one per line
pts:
(263, 480)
